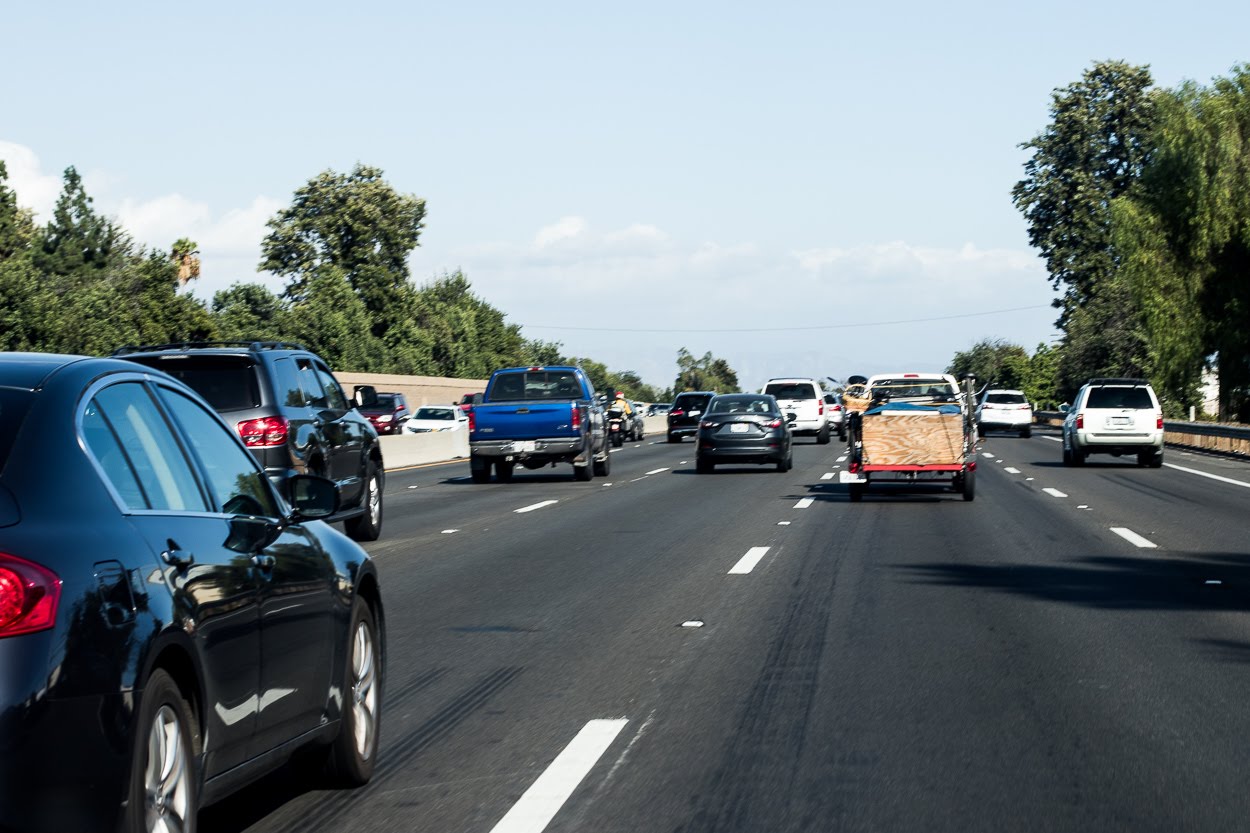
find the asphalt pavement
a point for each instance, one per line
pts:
(748, 650)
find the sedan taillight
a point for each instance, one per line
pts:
(28, 596)
(265, 432)
(776, 423)
(707, 423)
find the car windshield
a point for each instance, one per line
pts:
(1006, 399)
(791, 390)
(1119, 398)
(434, 413)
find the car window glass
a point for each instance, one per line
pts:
(1005, 398)
(238, 486)
(286, 384)
(434, 413)
(226, 385)
(1119, 398)
(314, 395)
(334, 394)
(104, 446)
(165, 477)
(790, 390)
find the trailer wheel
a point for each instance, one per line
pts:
(969, 486)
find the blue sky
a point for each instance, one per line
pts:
(794, 175)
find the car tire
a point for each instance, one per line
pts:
(822, 436)
(165, 761)
(603, 467)
(368, 525)
(503, 471)
(857, 492)
(1078, 456)
(674, 438)
(842, 435)
(481, 474)
(1067, 456)
(980, 430)
(702, 466)
(1026, 432)
(355, 749)
(1151, 459)
(784, 464)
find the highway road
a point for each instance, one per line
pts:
(749, 651)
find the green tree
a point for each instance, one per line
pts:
(17, 225)
(706, 373)
(355, 223)
(332, 320)
(249, 312)
(466, 337)
(992, 361)
(78, 241)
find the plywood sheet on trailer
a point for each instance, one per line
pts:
(913, 439)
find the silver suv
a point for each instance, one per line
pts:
(1117, 417)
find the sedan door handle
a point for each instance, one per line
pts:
(264, 562)
(175, 557)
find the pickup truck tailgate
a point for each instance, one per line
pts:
(524, 420)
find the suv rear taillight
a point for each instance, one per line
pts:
(28, 596)
(1080, 421)
(820, 407)
(265, 432)
(1159, 423)
(676, 412)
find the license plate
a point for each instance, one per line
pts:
(738, 428)
(1121, 420)
(695, 413)
(524, 445)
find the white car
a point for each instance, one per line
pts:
(1005, 410)
(1114, 416)
(806, 400)
(437, 418)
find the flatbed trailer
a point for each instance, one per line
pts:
(909, 429)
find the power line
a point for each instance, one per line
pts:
(787, 329)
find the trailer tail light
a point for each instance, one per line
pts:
(29, 595)
(575, 419)
(1080, 421)
(266, 432)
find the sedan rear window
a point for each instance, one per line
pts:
(1119, 398)
(1006, 398)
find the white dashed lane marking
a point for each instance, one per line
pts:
(1011, 470)
(1053, 439)
(747, 563)
(534, 506)
(1133, 538)
(987, 454)
(805, 502)
(1054, 492)
(540, 803)
(656, 471)
(827, 476)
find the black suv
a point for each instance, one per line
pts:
(686, 413)
(290, 411)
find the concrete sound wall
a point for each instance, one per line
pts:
(418, 390)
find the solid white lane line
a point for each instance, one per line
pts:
(805, 502)
(657, 471)
(747, 562)
(1133, 538)
(532, 507)
(1011, 470)
(1211, 476)
(540, 803)
(1053, 439)
(827, 476)
(1054, 492)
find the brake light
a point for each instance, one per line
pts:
(820, 408)
(265, 432)
(28, 596)
(776, 423)
(1159, 422)
(577, 417)
(836, 407)
(1080, 420)
(472, 421)
(676, 412)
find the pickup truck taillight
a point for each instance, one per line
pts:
(472, 421)
(576, 418)
(265, 432)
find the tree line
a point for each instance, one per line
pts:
(80, 284)
(1138, 199)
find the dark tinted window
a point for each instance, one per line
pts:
(692, 403)
(1006, 398)
(226, 384)
(334, 394)
(13, 407)
(1119, 398)
(286, 385)
(314, 395)
(237, 485)
(741, 405)
(791, 390)
(524, 385)
(152, 471)
(434, 413)
(389, 401)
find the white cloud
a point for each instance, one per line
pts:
(34, 188)
(566, 228)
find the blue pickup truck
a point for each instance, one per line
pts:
(537, 416)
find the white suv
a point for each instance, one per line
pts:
(1114, 416)
(1008, 410)
(806, 400)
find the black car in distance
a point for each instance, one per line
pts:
(744, 428)
(170, 627)
(290, 411)
(687, 410)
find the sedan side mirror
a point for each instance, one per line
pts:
(249, 534)
(365, 396)
(313, 498)
(1064, 408)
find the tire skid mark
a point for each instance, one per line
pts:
(331, 806)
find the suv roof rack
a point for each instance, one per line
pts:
(1114, 380)
(255, 346)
